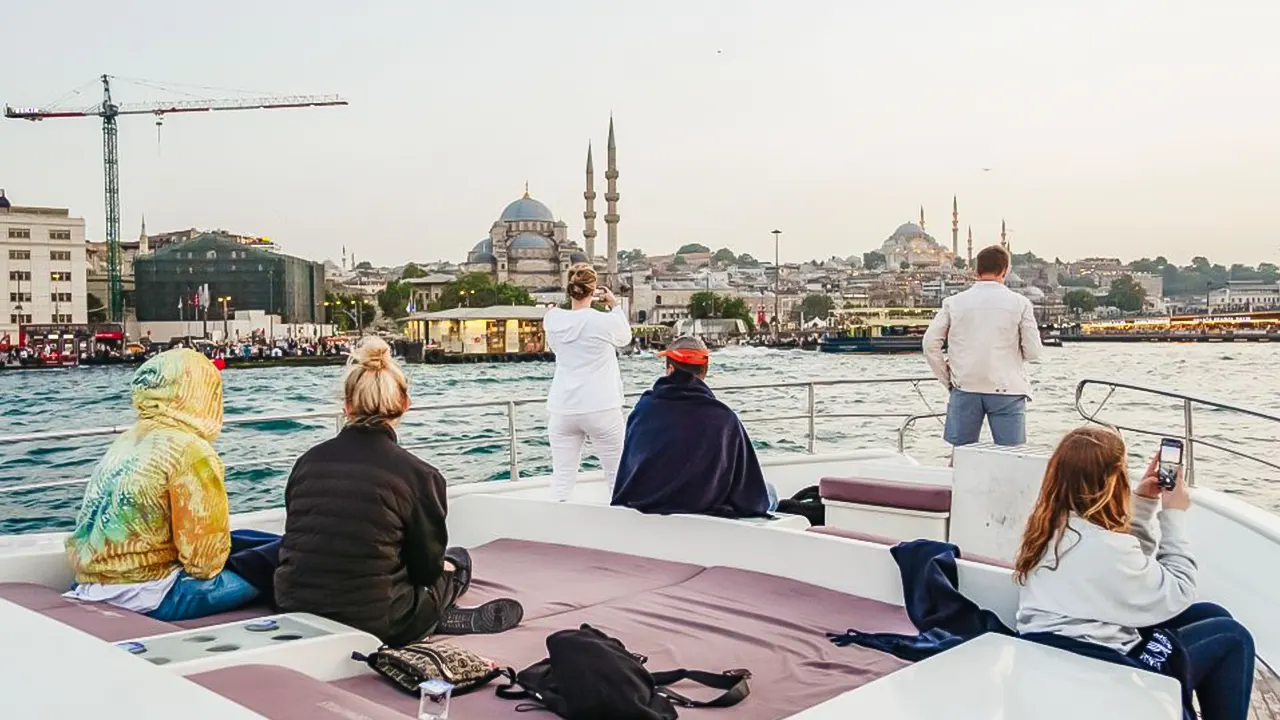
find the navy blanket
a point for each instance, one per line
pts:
(687, 452)
(254, 557)
(946, 618)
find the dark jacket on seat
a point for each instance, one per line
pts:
(365, 535)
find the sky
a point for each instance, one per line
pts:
(1097, 127)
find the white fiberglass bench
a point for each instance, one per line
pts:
(995, 676)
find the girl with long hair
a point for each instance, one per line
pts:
(585, 402)
(1092, 569)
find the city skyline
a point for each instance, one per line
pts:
(1095, 130)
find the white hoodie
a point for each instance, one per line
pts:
(1107, 584)
(586, 345)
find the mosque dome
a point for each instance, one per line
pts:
(482, 252)
(578, 257)
(526, 208)
(4, 202)
(530, 241)
(908, 229)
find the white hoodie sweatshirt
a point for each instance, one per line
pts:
(1109, 584)
(586, 345)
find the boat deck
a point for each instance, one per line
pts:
(1266, 694)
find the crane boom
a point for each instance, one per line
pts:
(185, 106)
(109, 111)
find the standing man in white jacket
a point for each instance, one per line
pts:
(989, 333)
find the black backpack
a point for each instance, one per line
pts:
(590, 676)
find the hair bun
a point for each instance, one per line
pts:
(372, 354)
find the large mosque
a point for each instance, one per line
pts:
(529, 247)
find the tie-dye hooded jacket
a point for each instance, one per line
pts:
(157, 501)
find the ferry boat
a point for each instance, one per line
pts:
(878, 330)
(687, 591)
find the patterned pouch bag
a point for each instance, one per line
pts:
(410, 666)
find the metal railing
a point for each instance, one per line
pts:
(1189, 403)
(512, 438)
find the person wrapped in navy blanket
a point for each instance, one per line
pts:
(687, 452)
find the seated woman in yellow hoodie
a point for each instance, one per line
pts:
(153, 533)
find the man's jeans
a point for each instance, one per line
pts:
(1006, 414)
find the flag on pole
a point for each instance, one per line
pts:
(411, 309)
(204, 295)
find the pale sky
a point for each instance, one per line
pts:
(1111, 127)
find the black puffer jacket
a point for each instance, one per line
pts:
(365, 535)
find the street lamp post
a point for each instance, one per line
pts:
(777, 274)
(337, 304)
(226, 326)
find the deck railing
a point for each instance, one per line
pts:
(1189, 404)
(512, 439)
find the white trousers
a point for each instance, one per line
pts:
(566, 433)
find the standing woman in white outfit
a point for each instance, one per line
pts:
(585, 401)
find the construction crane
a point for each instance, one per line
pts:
(108, 110)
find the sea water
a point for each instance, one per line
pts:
(260, 456)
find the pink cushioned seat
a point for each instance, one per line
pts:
(282, 694)
(721, 619)
(887, 493)
(882, 540)
(97, 619)
(549, 579)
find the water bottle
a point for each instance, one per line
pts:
(433, 700)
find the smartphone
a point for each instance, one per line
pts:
(1169, 462)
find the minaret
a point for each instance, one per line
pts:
(144, 245)
(1004, 238)
(344, 257)
(921, 219)
(955, 228)
(969, 264)
(611, 212)
(589, 232)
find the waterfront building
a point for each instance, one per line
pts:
(1244, 295)
(43, 264)
(168, 282)
(496, 330)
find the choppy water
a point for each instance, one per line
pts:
(259, 456)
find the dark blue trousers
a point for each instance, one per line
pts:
(1220, 656)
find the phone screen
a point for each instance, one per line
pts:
(1170, 454)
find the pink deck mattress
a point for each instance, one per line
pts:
(677, 614)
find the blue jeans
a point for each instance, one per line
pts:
(1220, 657)
(190, 598)
(1006, 414)
(773, 495)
